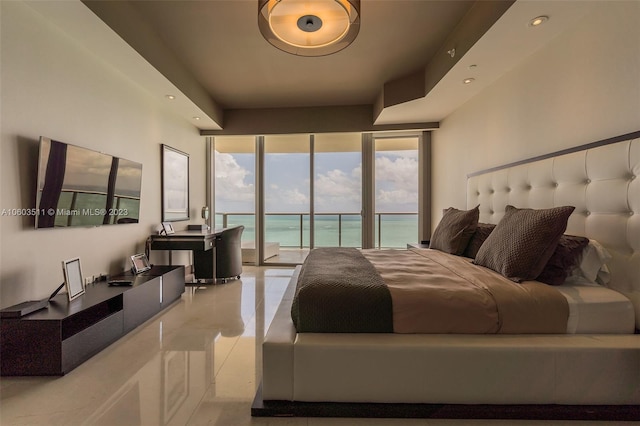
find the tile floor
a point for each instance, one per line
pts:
(197, 363)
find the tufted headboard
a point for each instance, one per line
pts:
(600, 179)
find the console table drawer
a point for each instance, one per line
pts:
(90, 341)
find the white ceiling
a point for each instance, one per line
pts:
(218, 46)
(506, 45)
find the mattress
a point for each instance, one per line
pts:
(597, 310)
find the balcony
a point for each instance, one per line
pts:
(292, 231)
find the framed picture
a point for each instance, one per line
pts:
(140, 263)
(73, 278)
(175, 184)
(167, 227)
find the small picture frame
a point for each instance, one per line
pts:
(140, 263)
(167, 227)
(73, 278)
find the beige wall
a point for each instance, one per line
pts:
(583, 87)
(52, 86)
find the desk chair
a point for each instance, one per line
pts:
(229, 254)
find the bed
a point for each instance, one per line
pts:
(590, 369)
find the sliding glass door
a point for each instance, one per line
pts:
(310, 191)
(337, 190)
(396, 191)
(235, 175)
(287, 198)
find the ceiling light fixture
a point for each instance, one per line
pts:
(309, 27)
(538, 20)
(468, 80)
(170, 97)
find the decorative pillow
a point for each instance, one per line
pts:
(482, 232)
(454, 230)
(565, 258)
(523, 241)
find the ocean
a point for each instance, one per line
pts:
(395, 231)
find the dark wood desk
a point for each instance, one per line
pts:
(202, 244)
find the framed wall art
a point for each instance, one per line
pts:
(175, 184)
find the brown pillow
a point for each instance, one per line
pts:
(482, 232)
(523, 241)
(564, 259)
(454, 230)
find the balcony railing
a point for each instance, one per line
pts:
(292, 229)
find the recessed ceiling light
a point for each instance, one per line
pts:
(196, 118)
(473, 66)
(170, 97)
(468, 80)
(538, 20)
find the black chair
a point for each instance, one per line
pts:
(229, 253)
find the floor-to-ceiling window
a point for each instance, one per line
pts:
(287, 198)
(337, 190)
(396, 191)
(235, 173)
(312, 190)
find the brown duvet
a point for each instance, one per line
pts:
(418, 291)
(435, 292)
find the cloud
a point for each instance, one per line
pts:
(401, 172)
(397, 183)
(231, 181)
(337, 191)
(283, 200)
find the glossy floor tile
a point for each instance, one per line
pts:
(197, 363)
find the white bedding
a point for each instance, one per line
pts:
(597, 310)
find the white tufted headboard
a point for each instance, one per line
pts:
(600, 179)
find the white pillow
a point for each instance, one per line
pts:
(592, 268)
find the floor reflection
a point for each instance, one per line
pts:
(203, 351)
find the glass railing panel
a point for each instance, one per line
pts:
(338, 230)
(283, 228)
(245, 219)
(395, 230)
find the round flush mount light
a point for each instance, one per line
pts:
(538, 20)
(468, 80)
(170, 97)
(309, 27)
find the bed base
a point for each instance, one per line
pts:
(447, 376)
(262, 408)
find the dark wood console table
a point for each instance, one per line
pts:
(55, 340)
(202, 244)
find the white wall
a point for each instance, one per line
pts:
(582, 87)
(53, 86)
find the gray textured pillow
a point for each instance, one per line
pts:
(523, 241)
(455, 230)
(479, 237)
(565, 258)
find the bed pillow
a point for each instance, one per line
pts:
(455, 230)
(482, 233)
(523, 241)
(564, 260)
(593, 264)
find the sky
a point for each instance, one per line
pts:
(337, 182)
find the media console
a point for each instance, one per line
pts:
(53, 341)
